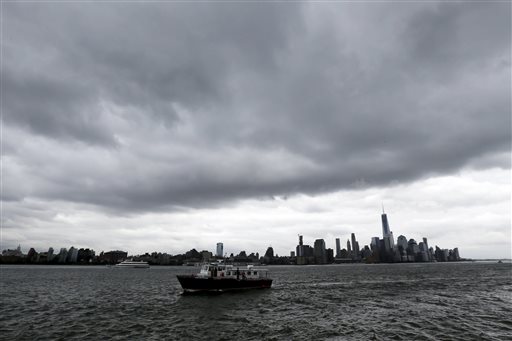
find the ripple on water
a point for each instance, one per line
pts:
(350, 302)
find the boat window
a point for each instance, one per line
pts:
(248, 272)
(255, 272)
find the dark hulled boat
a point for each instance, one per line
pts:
(218, 277)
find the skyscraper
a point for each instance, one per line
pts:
(429, 256)
(72, 255)
(338, 248)
(50, 254)
(423, 254)
(389, 241)
(355, 247)
(220, 250)
(320, 252)
(374, 245)
(455, 254)
(63, 254)
(385, 225)
(300, 247)
(269, 253)
(401, 242)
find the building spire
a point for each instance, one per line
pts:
(383, 208)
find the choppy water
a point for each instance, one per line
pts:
(454, 301)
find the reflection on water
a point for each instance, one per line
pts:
(456, 301)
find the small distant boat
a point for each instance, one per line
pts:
(219, 277)
(132, 264)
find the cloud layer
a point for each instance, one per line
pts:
(132, 108)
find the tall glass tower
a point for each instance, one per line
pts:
(385, 225)
(220, 250)
(389, 242)
(338, 248)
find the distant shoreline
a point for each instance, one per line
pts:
(503, 260)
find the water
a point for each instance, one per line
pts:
(443, 301)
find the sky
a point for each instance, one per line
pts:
(167, 126)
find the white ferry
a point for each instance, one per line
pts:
(132, 264)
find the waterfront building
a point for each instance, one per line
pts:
(425, 242)
(344, 256)
(429, 254)
(367, 253)
(412, 247)
(387, 235)
(374, 245)
(355, 248)
(304, 253)
(338, 248)
(243, 258)
(72, 255)
(13, 252)
(389, 243)
(300, 247)
(423, 253)
(320, 252)
(63, 255)
(49, 256)
(385, 224)
(330, 255)
(453, 255)
(446, 255)
(401, 243)
(269, 254)
(206, 255)
(32, 255)
(114, 257)
(375, 249)
(456, 254)
(85, 255)
(220, 250)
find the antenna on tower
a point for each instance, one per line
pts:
(383, 208)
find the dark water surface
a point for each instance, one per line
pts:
(442, 301)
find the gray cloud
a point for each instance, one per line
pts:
(142, 107)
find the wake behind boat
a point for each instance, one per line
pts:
(132, 264)
(219, 277)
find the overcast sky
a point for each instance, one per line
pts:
(171, 126)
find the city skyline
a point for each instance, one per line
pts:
(177, 125)
(388, 249)
(282, 248)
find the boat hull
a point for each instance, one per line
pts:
(191, 283)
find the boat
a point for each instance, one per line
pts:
(220, 277)
(132, 264)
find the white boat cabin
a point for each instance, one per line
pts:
(231, 271)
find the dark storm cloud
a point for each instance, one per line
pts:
(62, 59)
(148, 106)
